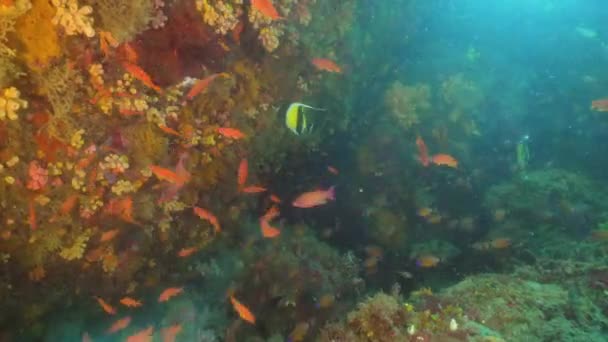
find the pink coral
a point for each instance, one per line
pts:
(39, 176)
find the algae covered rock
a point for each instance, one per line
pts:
(548, 194)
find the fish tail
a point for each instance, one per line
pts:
(331, 193)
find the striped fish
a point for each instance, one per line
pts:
(296, 119)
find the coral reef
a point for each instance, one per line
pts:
(407, 103)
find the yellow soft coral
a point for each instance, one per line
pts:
(407, 103)
(72, 18)
(76, 250)
(10, 103)
(37, 33)
(221, 15)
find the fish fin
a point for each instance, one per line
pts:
(307, 106)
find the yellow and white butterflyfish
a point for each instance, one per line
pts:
(296, 119)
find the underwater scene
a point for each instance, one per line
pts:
(304, 170)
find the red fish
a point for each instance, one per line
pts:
(600, 105)
(208, 216)
(325, 64)
(119, 325)
(445, 160)
(253, 189)
(145, 335)
(275, 199)
(232, 133)
(168, 175)
(242, 310)
(109, 235)
(109, 309)
(130, 302)
(171, 332)
(170, 293)
(268, 231)
(266, 7)
(186, 252)
(333, 170)
(169, 130)
(423, 152)
(314, 198)
(183, 176)
(271, 214)
(201, 85)
(122, 208)
(141, 75)
(242, 173)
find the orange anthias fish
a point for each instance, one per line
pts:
(109, 235)
(268, 231)
(600, 105)
(427, 261)
(119, 325)
(170, 293)
(208, 216)
(122, 208)
(271, 214)
(169, 130)
(314, 198)
(242, 173)
(444, 159)
(232, 133)
(105, 306)
(325, 64)
(171, 332)
(423, 152)
(275, 199)
(266, 7)
(333, 170)
(242, 310)
(145, 335)
(253, 189)
(168, 175)
(130, 302)
(141, 75)
(201, 85)
(186, 252)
